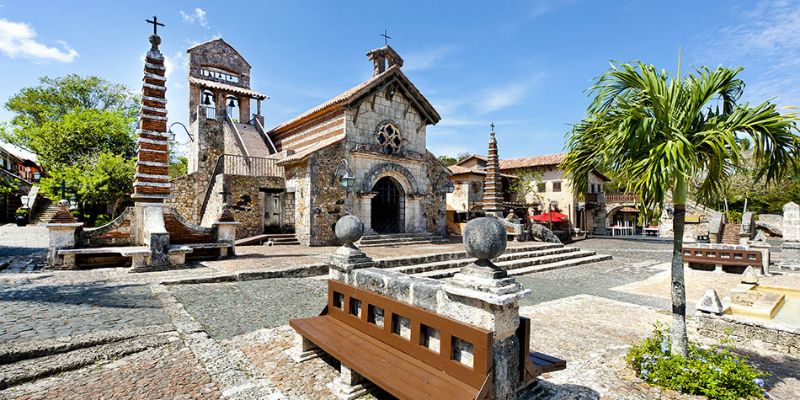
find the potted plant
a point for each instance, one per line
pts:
(21, 216)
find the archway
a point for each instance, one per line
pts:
(388, 206)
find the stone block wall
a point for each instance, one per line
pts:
(328, 202)
(750, 333)
(298, 183)
(115, 233)
(434, 202)
(380, 108)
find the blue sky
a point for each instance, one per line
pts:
(524, 65)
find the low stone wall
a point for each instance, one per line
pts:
(115, 233)
(750, 333)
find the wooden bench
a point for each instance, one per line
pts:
(409, 352)
(724, 257)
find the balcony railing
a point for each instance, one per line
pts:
(621, 198)
(251, 166)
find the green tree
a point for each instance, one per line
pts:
(64, 120)
(178, 166)
(447, 160)
(525, 185)
(8, 185)
(105, 180)
(660, 130)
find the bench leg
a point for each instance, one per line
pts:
(304, 349)
(69, 262)
(349, 385)
(137, 263)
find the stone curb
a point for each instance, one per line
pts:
(230, 370)
(37, 368)
(15, 351)
(302, 271)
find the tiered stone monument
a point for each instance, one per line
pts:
(790, 249)
(492, 186)
(151, 235)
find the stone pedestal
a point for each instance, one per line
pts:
(349, 385)
(348, 257)
(790, 249)
(764, 248)
(483, 295)
(62, 236)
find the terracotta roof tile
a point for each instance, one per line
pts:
(530, 162)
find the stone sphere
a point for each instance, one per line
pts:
(349, 229)
(485, 238)
(63, 203)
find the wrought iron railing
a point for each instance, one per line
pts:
(621, 198)
(251, 166)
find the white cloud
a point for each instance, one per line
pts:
(426, 59)
(197, 17)
(18, 39)
(765, 41)
(507, 95)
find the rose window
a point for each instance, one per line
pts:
(389, 139)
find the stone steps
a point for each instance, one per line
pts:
(406, 260)
(401, 239)
(44, 216)
(458, 263)
(530, 264)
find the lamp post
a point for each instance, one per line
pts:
(172, 137)
(346, 180)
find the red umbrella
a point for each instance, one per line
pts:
(552, 216)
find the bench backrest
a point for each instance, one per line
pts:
(414, 331)
(702, 255)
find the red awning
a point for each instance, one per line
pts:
(552, 216)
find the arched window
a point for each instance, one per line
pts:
(389, 139)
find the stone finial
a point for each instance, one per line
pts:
(226, 215)
(710, 303)
(749, 276)
(62, 216)
(349, 230)
(485, 238)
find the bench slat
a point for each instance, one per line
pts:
(391, 369)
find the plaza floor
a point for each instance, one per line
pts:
(228, 339)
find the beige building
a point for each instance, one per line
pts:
(545, 188)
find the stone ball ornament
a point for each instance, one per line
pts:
(63, 203)
(485, 238)
(349, 229)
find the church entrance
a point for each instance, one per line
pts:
(388, 206)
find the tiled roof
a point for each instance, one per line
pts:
(303, 153)
(205, 83)
(459, 170)
(530, 162)
(355, 92)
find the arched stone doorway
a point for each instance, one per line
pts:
(388, 206)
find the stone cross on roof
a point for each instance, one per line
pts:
(155, 23)
(386, 37)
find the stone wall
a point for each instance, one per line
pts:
(287, 212)
(218, 54)
(246, 201)
(327, 197)
(362, 128)
(115, 233)
(750, 333)
(298, 183)
(433, 201)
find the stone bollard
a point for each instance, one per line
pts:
(63, 234)
(225, 231)
(790, 248)
(482, 294)
(348, 257)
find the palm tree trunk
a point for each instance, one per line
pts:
(679, 337)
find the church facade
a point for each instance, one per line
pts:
(362, 152)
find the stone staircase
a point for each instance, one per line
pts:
(45, 209)
(397, 239)
(537, 257)
(730, 233)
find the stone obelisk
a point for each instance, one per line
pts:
(492, 187)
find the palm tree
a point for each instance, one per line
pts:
(658, 131)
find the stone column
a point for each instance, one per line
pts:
(413, 215)
(365, 210)
(790, 249)
(482, 294)
(348, 257)
(63, 231)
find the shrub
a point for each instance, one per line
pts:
(716, 374)
(22, 211)
(102, 219)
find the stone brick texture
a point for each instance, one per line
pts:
(116, 233)
(750, 333)
(327, 198)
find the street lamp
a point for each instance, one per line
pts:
(172, 137)
(347, 179)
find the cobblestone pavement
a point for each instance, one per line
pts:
(166, 372)
(230, 309)
(34, 311)
(633, 262)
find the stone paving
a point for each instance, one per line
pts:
(228, 339)
(34, 311)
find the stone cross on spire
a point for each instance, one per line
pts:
(151, 182)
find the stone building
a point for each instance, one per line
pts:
(292, 178)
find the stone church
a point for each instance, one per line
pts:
(362, 152)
